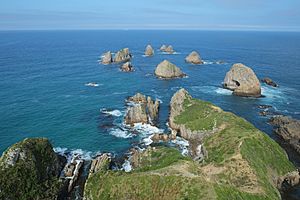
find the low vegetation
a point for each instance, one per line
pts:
(242, 163)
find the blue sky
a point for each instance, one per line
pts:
(281, 15)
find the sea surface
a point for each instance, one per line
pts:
(44, 77)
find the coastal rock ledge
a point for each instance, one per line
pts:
(242, 81)
(168, 70)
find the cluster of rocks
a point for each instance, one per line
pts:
(289, 129)
(142, 109)
(167, 49)
(123, 55)
(157, 137)
(242, 81)
(168, 70)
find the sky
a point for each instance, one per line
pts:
(279, 15)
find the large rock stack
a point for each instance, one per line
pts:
(142, 109)
(242, 81)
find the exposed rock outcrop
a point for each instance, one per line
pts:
(194, 58)
(142, 110)
(168, 70)
(242, 81)
(127, 67)
(30, 169)
(149, 50)
(107, 58)
(289, 129)
(163, 137)
(122, 56)
(72, 171)
(100, 163)
(270, 82)
(176, 107)
(288, 181)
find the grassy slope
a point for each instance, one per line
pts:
(245, 159)
(29, 179)
(237, 136)
(154, 179)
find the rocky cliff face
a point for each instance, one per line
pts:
(242, 81)
(289, 129)
(30, 170)
(168, 70)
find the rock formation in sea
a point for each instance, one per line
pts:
(163, 47)
(235, 161)
(269, 81)
(122, 56)
(127, 67)
(289, 129)
(168, 70)
(149, 50)
(30, 169)
(142, 109)
(107, 58)
(194, 58)
(168, 49)
(242, 81)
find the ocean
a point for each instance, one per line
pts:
(44, 80)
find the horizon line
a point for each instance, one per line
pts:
(154, 29)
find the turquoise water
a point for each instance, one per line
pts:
(43, 77)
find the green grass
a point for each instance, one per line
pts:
(160, 158)
(263, 159)
(30, 178)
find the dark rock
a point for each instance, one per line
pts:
(289, 129)
(270, 82)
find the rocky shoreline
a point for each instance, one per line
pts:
(208, 152)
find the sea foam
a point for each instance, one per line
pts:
(116, 113)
